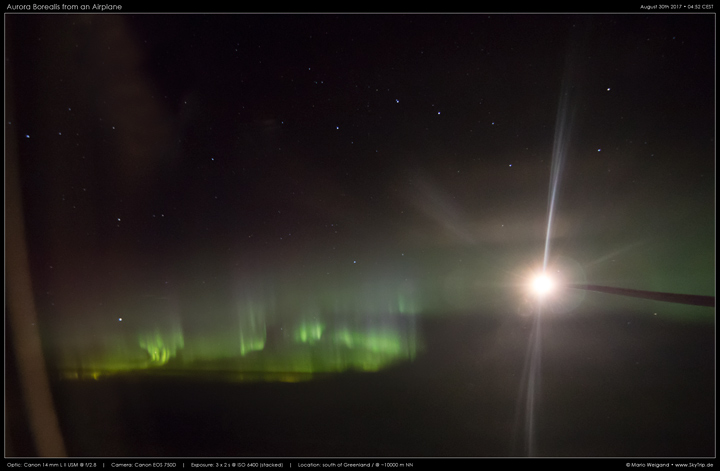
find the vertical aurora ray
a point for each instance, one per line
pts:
(252, 328)
(161, 346)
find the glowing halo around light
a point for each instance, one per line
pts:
(548, 287)
(542, 284)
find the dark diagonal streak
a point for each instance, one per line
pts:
(694, 300)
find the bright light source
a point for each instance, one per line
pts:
(542, 284)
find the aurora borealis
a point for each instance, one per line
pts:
(330, 335)
(333, 215)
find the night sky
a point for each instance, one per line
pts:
(230, 185)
